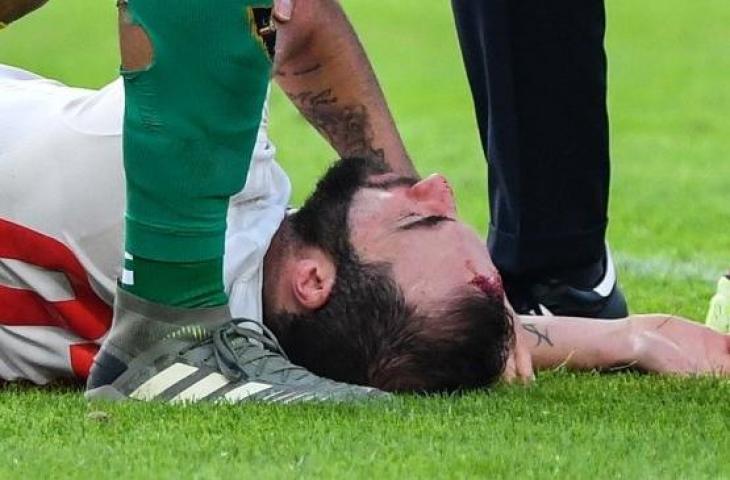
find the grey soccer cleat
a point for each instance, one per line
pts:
(227, 363)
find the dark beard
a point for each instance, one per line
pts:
(340, 339)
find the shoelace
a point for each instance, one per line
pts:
(228, 355)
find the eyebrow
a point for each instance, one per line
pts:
(429, 221)
(392, 183)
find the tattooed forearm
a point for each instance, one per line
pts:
(540, 337)
(346, 127)
(321, 65)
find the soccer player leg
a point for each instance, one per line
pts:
(190, 125)
(196, 76)
(545, 132)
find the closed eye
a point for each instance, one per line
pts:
(426, 222)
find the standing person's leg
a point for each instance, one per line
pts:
(182, 161)
(191, 119)
(537, 72)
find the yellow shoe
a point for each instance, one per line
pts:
(718, 317)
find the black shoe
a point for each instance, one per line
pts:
(577, 293)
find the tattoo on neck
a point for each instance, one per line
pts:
(540, 337)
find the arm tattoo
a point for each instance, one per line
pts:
(346, 127)
(539, 336)
(298, 73)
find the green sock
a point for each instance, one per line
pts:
(190, 126)
(179, 284)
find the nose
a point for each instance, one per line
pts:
(435, 193)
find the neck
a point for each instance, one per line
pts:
(278, 256)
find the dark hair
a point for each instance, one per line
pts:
(323, 219)
(366, 333)
(463, 348)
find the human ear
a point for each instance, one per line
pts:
(313, 279)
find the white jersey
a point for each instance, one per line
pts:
(61, 216)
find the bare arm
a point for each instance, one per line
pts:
(322, 67)
(578, 343)
(11, 10)
(653, 343)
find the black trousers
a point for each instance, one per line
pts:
(537, 71)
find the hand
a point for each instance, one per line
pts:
(283, 10)
(519, 362)
(666, 344)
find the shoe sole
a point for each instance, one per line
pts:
(107, 393)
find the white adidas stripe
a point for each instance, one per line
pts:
(304, 397)
(127, 277)
(201, 389)
(162, 381)
(281, 397)
(245, 391)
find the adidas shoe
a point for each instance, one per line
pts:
(168, 354)
(601, 298)
(718, 316)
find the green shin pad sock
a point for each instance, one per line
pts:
(190, 126)
(179, 284)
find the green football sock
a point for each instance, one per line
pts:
(190, 126)
(180, 284)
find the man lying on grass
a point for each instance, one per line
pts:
(61, 228)
(362, 309)
(374, 281)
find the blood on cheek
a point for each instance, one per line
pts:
(492, 286)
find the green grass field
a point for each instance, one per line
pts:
(670, 212)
